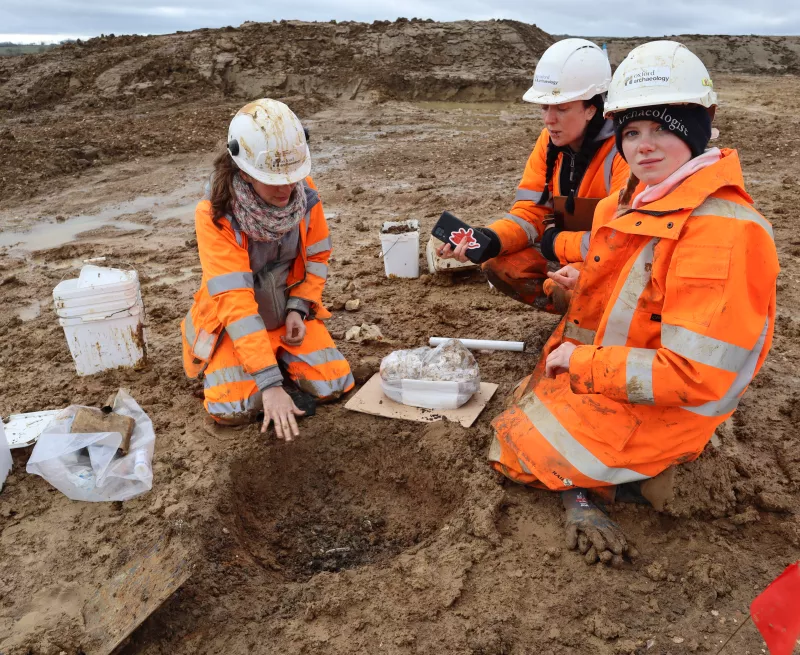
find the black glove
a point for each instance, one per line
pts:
(548, 242)
(494, 247)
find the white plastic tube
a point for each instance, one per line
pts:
(483, 344)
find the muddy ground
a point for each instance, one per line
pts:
(366, 535)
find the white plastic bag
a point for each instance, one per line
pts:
(5, 456)
(87, 466)
(444, 377)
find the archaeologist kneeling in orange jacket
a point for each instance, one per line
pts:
(573, 165)
(672, 316)
(264, 247)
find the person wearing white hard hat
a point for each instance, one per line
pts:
(672, 316)
(573, 165)
(254, 331)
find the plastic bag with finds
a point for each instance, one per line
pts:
(444, 377)
(86, 466)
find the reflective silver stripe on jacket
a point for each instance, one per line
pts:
(236, 408)
(730, 209)
(316, 358)
(581, 335)
(530, 231)
(189, 330)
(621, 316)
(608, 165)
(528, 194)
(730, 400)
(639, 376)
(326, 388)
(317, 268)
(245, 326)
(571, 449)
(703, 349)
(230, 281)
(319, 246)
(226, 376)
(585, 241)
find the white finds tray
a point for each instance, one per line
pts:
(24, 429)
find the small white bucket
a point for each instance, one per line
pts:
(103, 319)
(400, 251)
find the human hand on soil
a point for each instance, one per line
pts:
(558, 361)
(566, 277)
(280, 409)
(295, 329)
(592, 532)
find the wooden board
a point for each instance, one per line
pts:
(370, 399)
(125, 601)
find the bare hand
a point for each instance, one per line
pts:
(446, 251)
(280, 409)
(558, 361)
(566, 277)
(295, 330)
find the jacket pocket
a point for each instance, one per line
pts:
(604, 419)
(198, 343)
(271, 300)
(701, 273)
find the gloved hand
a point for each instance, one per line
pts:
(547, 244)
(592, 532)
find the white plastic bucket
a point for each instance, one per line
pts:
(103, 319)
(400, 251)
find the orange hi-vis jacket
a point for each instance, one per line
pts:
(226, 298)
(523, 225)
(673, 315)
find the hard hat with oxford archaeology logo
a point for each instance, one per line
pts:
(267, 141)
(571, 69)
(660, 73)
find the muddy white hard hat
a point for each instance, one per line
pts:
(660, 73)
(267, 141)
(571, 69)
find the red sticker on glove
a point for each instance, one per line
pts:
(457, 237)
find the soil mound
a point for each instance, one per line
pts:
(726, 53)
(410, 59)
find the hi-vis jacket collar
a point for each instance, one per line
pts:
(665, 220)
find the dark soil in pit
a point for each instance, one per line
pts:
(324, 504)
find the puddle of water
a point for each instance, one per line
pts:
(184, 275)
(49, 235)
(45, 235)
(31, 311)
(470, 106)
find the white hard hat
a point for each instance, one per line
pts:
(660, 73)
(266, 140)
(571, 69)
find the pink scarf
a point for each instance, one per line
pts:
(666, 186)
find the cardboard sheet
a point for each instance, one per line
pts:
(370, 399)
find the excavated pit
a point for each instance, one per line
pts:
(329, 502)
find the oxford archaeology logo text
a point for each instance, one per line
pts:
(654, 76)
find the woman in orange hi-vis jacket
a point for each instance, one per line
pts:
(672, 315)
(264, 247)
(575, 158)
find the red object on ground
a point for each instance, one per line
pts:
(776, 612)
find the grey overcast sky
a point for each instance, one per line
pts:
(49, 20)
